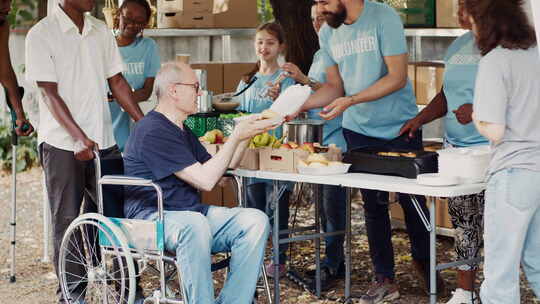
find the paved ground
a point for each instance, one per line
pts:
(36, 280)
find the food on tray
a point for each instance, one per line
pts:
(317, 165)
(395, 154)
(408, 154)
(269, 114)
(317, 158)
(213, 137)
(398, 154)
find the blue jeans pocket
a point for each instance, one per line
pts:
(521, 188)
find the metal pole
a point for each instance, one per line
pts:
(12, 278)
(317, 199)
(275, 240)
(432, 252)
(348, 235)
(46, 223)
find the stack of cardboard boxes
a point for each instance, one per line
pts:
(207, 14)
(443, 219)
(427, 80)
(447, 14)
(224, 77)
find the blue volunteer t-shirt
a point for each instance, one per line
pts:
(141, 60)
(359, 50)
(332, 130)
(157, 149)
(462, 59)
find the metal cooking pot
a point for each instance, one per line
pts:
(204, 102)
(304, 130)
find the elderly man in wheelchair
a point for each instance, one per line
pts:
(165, 163)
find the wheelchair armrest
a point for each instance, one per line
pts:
(125, 181)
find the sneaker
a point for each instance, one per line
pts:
(462, 296)
(270, 270)
(381, 290)
(329, 277)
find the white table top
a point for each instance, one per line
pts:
(369, 181)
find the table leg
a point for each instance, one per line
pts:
(317, 200)
(275, 240)
(348, 253)
(432, 251)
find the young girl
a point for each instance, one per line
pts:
(141, 59)
(269, 44)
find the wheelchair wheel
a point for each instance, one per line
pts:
(95, 264)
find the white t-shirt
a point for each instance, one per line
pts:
(80, 64)
(508, 93)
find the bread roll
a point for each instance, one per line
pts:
(314, 157)
(317, 165)
(268, 114)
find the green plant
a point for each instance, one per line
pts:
(26, 150)
(22, 12)
(266, 12)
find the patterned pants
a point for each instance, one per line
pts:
(467, 214)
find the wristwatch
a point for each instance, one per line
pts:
(312, 82)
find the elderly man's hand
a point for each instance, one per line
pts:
(251, 127)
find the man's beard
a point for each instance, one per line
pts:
(335, 20)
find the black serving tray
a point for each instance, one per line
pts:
(366, 160)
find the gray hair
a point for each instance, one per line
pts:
(169, 73)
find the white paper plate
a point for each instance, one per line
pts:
(435, 179)
(330, 170)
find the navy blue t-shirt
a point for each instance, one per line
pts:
(155, 150)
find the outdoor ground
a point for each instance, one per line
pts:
(36, 281)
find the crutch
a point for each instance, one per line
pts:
(14, 143)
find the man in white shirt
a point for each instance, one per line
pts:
(71, 56)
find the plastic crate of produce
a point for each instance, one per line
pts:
(200, 123)
(414, 13)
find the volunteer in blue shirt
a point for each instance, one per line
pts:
(269, 45)
(368, 84)
(454, 102)
(333, 197)
(141, 59)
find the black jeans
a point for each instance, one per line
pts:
(258, 196)
(67, 181)
(376, 210)
(333, 219)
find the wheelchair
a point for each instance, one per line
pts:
(109, 248)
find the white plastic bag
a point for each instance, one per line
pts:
(291, 100)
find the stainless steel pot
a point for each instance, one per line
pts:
(202, 76)
(304, 130)
(204, 102)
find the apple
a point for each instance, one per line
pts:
(286, 146)
(308, 147)
(210, 137)
(293, 145)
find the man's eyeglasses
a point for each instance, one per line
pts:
(128, 20)
(196, 85)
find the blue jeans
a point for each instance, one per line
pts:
(258, 197)
(194, 237)
(333, 219)
(379, 230)
(511, 235)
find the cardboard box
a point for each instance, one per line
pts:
(239, 14)
(280, 160)
(429, 81)
(214, 197)
(230, 194)
(250, 161)
(411, 72)
(214, 74)
(447, 14)
(207, 14)
(442, 216)
(185, 20)
(233, 73)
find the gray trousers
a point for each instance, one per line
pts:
(68, 181)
